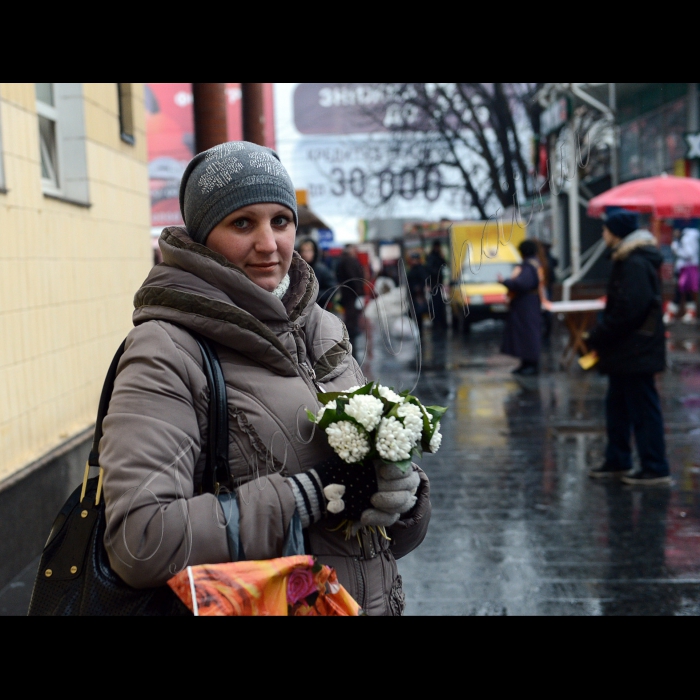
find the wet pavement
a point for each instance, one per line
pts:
(518, 528)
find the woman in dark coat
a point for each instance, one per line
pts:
(522, 337)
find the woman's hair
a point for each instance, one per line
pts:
(544, 261)
(528, 249)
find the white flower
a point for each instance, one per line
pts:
(386, 393)
(351, 389)
(366, 410)
(412, 419)
(436, 440)
(347, 440)
(331, 404)
(394, 442)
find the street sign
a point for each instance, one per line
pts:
(555, 116)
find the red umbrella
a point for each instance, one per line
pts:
(665, 197)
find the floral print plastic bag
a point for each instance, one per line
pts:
(297, 586)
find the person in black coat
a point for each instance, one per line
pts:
(522, 336)
(327, 284)
(351, 275)
(418, 280)
(630, 343)
(437, 266)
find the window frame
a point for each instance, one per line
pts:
(3, 188)
(67, 114)
(125, 102)
(52, 184)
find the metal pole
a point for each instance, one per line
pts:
(555, 202)
(253, 113)
(574, 218)
(614, 151)
(693, 122)
(209, 115)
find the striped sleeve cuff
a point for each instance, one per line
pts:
(308, 495)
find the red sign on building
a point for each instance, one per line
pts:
(170, 136)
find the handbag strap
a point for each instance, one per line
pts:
(216, 470)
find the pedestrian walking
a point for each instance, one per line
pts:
(232, 275)
(327, 283)
(418, 279)
(522, 336)
(686, 248)
(437, 267)
(629, 341)
(351, 276)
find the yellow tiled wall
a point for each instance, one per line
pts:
(68, 273)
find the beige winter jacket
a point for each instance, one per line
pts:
(270, 349)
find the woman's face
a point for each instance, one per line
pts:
(611, 240)
(259, 239)
(307, 252)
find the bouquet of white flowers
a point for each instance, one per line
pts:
(373, 422)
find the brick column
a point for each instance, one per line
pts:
(209, 115)
(253, 114)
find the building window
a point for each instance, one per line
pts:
(48, 118)
(653, 143)
(62, 147)
(126, 113)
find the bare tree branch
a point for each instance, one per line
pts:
(479, 130)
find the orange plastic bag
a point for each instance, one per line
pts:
(297, 586)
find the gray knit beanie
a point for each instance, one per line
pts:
(230, 176)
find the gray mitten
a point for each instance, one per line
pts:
(378, 518)
(397, 491)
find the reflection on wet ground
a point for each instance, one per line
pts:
(518, 528)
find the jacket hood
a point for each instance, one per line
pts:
(642, 241)
(199, 289)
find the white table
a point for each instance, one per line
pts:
(579, 317)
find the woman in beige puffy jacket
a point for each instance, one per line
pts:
(231, 275)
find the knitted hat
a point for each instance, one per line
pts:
(230, 176)
(621, 222)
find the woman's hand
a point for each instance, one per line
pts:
(396, 495)
(333, 487)
(374, 494)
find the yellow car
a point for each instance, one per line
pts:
(481, 252)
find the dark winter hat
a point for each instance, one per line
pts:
(230, 176)
(621, 222)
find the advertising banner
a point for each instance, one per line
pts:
(336, 141)
(170, 136)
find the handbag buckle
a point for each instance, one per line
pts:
(99, 484)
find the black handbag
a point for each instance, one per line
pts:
(74, 576)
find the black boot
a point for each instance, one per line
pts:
(530, 369)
